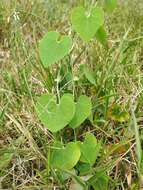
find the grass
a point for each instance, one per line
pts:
(24, 141)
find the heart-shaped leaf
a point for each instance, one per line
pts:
(52, 49)
(87, 25)
(55, 116)
(83, 110)
(89, 149)
(65, 158)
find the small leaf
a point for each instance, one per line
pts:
(52, 50)
(87, 25)
(83, 110)
(55, 116)
(110, 5)
(65, 158)
(101, 36)
(89, 75)
(89, 149)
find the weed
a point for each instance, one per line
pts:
(71, 98)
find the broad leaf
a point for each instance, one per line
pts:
(52, 49)
(83, 110)
(87, 25)
(89, 149)
(65, 158)
(55, 116)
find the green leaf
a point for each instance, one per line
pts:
(52, 49)
(83, 110)
(65, 158)
(87, 25)
(101, 36)
(5, 159)
(55, 116)
(89, 149)
(110, 5)
(99, 181)
(89, 75)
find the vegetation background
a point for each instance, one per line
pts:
(23, 140)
